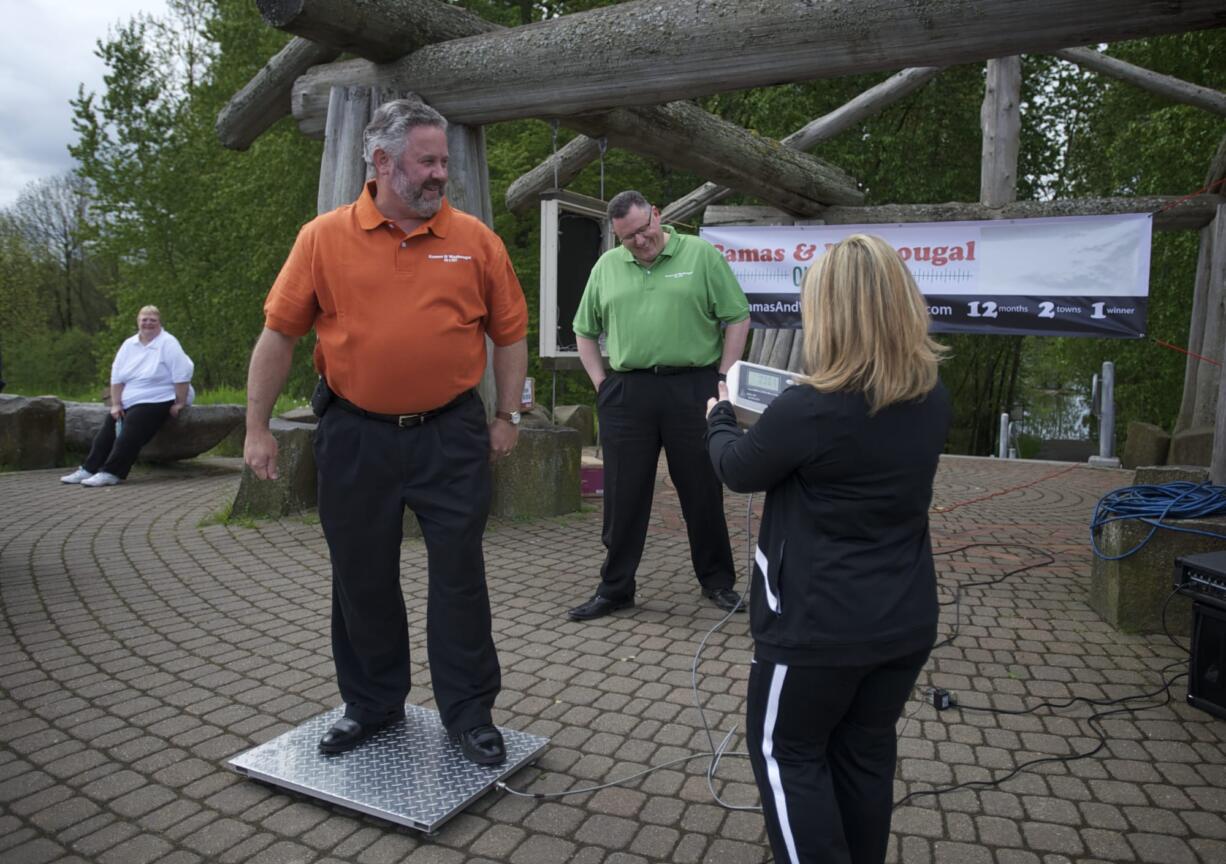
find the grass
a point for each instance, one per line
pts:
(238, 396)
(225, 516)
(213, 396)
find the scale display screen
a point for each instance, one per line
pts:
(756, 380)
(751, 387)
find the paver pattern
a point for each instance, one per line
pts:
(143, 642)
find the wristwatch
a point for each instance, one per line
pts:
(512, 417)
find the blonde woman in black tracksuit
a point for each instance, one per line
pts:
(843, 606)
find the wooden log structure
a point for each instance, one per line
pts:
(342, 171)
(265, 99)
(853, 112)
(1190, 214)
(681, 135)
(1175, 89)
(554, 173)
(379, 30)
(786, 178)
(626, 54)
(1202, 309)
(1001, 120)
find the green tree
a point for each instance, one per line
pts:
(1113, 139)
(198, 230)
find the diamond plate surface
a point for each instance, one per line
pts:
(409, 773)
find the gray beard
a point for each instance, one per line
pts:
(412, 196)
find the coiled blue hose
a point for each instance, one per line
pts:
(1154, 505)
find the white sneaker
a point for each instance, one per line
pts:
(102, 478)
(76, 476)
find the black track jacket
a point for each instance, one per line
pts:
(843, 572)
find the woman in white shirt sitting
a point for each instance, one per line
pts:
(150, 381)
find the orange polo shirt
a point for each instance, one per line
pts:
(400, 319)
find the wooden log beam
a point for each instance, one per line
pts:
(1192, 214)
(1175, 89)
(855, 111)
(379, 30)
(630, 54)
(1000, 118)
(265, 99)
(788, 179)
(554, 173)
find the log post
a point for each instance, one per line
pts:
(1204, 405)
(342, 171)
(1001, 120)
(1201, 306)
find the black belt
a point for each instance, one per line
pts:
(403, 420)
(672, 370)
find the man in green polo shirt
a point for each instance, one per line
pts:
(674, 319)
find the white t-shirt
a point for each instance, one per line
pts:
(150, 372)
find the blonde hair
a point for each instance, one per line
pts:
(152, 309)
(866, 325)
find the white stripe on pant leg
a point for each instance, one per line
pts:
(772, 767)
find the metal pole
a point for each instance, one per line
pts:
(1002, 447)
(1106, 422)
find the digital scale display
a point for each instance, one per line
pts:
(752, 387)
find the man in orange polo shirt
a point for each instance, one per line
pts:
(402, 291)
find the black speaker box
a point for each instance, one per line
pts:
(1207, 665)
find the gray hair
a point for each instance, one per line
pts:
(390, 127)
(624, 202)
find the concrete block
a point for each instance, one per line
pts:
(540, 477)
(31, 432)
(1192, 447)
(1129, 593)
(295, 488)
(1158, 475)
(1145, 444)
(580, 418)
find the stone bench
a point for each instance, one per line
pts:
(197, 429)
(31, 432)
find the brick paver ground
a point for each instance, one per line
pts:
(143, 643)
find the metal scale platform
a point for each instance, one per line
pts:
(408, 773)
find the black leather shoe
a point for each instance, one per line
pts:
(598, 607)
(347, 733)
(724, 598)
(481, 744)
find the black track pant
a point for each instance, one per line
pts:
(116, 454)
(639, 413)
(823, 747)
(369, 471)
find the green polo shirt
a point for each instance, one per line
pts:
(667, 314)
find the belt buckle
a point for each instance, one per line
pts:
(406, 420)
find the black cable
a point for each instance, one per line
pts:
(1094, 721)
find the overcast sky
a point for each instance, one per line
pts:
(46, 50)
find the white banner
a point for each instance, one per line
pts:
(1075, 275)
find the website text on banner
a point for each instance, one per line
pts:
(1064, 276)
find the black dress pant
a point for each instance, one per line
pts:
(369, 471)
(823, 747)
(640, 412)
(116, 454)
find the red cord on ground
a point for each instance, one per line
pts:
(996, 494)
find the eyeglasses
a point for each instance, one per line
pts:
(640, 232)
